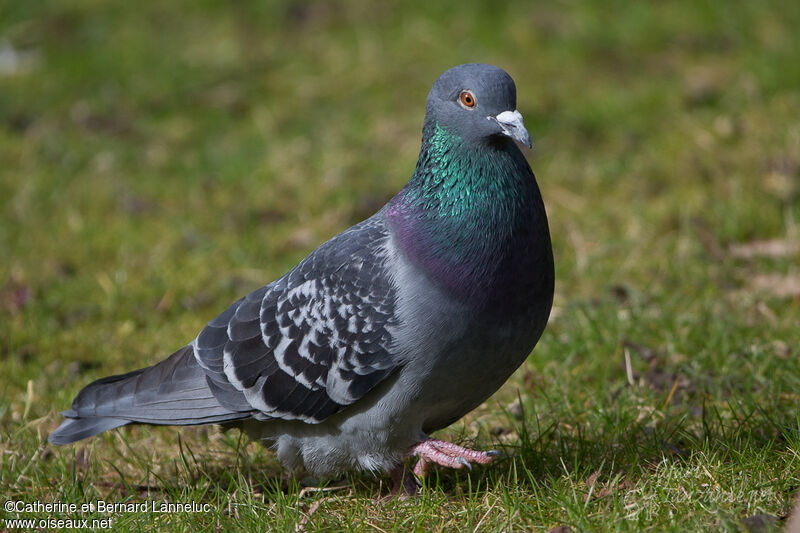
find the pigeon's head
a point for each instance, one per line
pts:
(477, 102)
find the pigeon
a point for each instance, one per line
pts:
(391, 330)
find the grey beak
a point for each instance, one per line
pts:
(511, 123)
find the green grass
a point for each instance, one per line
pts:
(160, 159)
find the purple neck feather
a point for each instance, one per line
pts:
(473, 219)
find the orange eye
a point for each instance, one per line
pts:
(467, 99)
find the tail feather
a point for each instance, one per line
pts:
(173, 392)
(74, 429)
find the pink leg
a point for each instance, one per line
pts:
(448, 454)
(454, 450)
(442, 453)
(404, 484)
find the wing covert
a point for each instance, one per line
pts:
(313, 341)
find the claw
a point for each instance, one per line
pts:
(432, 451)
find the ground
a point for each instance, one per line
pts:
(160, 159)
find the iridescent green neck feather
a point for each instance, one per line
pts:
(469, 214)
(453, 179)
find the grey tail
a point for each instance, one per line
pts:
(172, 392)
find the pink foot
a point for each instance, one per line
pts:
(405, 484)
(448, 454)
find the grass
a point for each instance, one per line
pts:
(158, 160)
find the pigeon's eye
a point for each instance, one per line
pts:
(467, 99)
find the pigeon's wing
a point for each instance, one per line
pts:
(312, 342)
